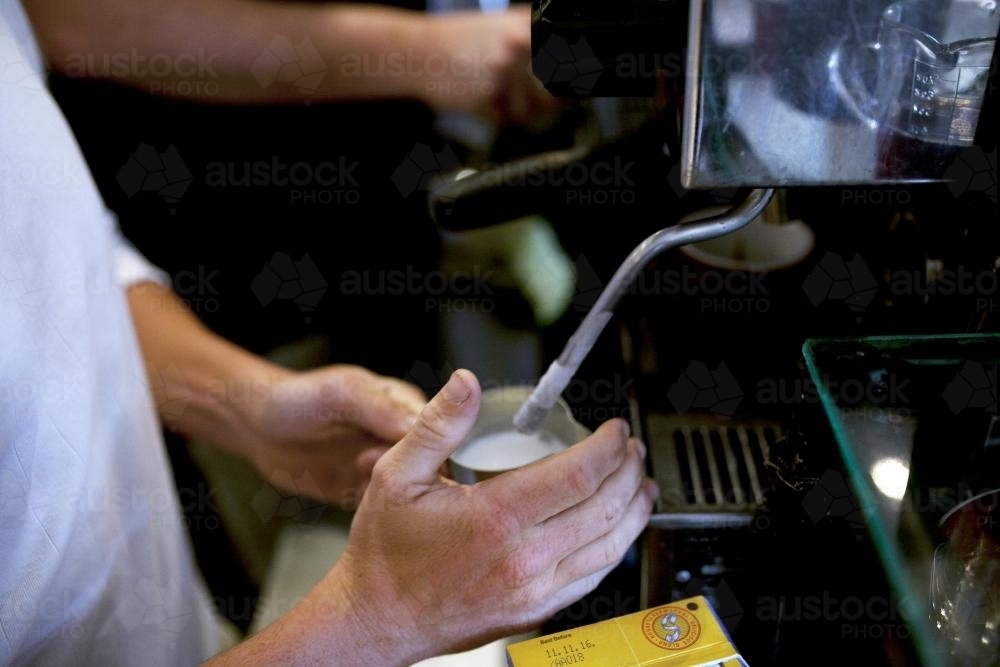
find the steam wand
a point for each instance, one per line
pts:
(531, 414)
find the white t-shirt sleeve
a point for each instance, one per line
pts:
(131, 267)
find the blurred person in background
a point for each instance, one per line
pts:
(239, 84)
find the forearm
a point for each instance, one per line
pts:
(207, 50)
(327, 627)
(212, 388)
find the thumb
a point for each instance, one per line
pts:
(441, 427)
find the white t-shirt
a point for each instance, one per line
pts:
(95, 566)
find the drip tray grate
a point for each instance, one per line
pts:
(706, 466)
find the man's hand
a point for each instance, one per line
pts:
(489, 67)
(445, 567)
(332, 423)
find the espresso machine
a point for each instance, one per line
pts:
(783, 494)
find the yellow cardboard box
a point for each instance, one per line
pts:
(685, 633)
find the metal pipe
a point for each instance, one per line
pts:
(531, 414)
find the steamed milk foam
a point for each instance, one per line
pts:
(509, 449)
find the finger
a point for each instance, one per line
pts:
(366, 460)
(609, 549)
(550, 486)
(409, 396)
(596, 516)
(442, 427)
(561, 599)
(383, 406)
(341, 434)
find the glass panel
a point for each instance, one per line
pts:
(915, 422)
